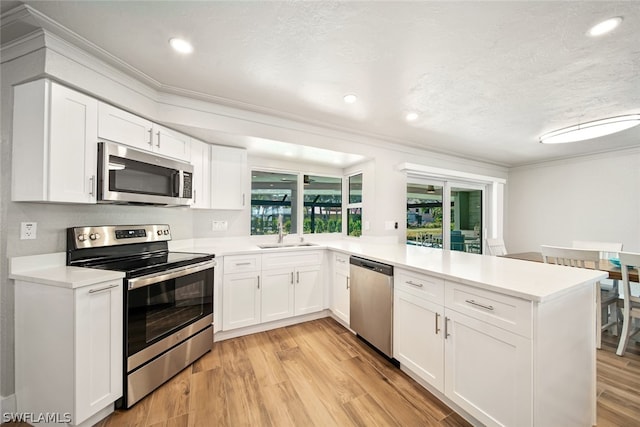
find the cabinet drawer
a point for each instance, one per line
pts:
(504, 311)
(421, 285)
(341, 263)
(242, 263)
(291, 259)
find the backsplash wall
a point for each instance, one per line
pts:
(54, 219)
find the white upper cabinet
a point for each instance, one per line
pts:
(228, 177)
(54, 144)
(171, 143)
(201, 161)
(121, 126)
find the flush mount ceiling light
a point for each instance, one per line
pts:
(350, 98)
(605, 26)
(590, 130)
(410, 117)
(181, 45)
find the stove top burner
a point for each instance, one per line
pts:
(137, 250)
(137, 266)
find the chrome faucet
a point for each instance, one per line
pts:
(281, 233)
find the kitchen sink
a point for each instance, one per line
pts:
(285, 245)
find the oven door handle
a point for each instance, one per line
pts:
(140, 282)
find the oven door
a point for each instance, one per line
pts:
(126, 175)
(164, 309)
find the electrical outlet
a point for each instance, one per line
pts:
(219, 225)
(28, 230)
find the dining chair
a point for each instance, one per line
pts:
(496, 247)
(631, 309)
(609, 288)
(580, 258)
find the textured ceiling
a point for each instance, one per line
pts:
(487, 78)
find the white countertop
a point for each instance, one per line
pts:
(67, 277)
(524, 279)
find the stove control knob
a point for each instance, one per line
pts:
(159, 232)
(94, 236)
(82, 237)
(166, 232)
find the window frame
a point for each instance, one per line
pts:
(349, 205)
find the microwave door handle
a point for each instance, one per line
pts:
(177, 183)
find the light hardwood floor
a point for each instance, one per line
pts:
(311, 374)
(318, 373)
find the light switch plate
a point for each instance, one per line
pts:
(28, 230)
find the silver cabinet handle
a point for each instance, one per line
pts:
(437, 328)
(195, 199)
(92, 180)
(477, 304)
(292, 277)
(347, 283)
(297, 277)
(417, 285)
(258, 282)
(242, 263)
(158, 144)
(93, 291)
(150, 136)
(341, 260)
(446, 327)
(242, 199)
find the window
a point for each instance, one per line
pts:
(434, 206)
(424, 215)
(354, 209)
(322, 204)
(273, 194)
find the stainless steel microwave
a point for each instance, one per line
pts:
(130, 176)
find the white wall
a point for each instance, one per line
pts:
(589, 198)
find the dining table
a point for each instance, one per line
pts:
(614, 272)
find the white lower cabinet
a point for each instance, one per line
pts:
(341, 297)
(69, 349)
(419, 337)
(278, 294)
(241, 296)
(264, 288)
(488, 371)
(463, 342)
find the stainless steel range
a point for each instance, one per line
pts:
(168, 300)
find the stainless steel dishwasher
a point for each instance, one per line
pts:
(372, 303)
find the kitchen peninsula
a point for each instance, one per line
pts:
(512, 329)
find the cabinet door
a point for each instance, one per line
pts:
(341, 298)
(277, 294)
(54, 144)
(488, 371)
(98, 344)
(201, 162)
(228, 177)
(418, 337)
(308, 293)
(240, 300)
(170, 143)
(121, 126)
(73, 143)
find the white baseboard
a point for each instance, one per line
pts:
(234, 333)
(8, 405)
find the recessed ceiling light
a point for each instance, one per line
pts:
(288, 153)
(410, 117)
(590, 130)
(181, 45)
(350, 98)
(605, 26)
